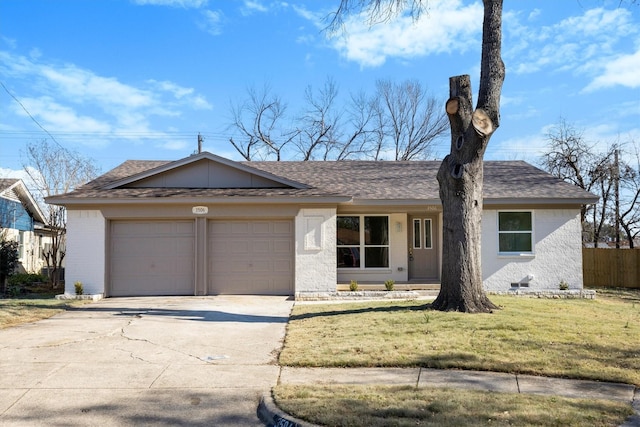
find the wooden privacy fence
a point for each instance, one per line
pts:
(619, 268)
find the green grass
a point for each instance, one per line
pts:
(16, 311)
(407, 406)
(586, 339)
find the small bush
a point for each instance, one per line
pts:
(26, 279)
(389, 284)
(79, 288)
(563, 285)
(353, 286)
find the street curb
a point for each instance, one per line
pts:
(634, 420)
(272, 416)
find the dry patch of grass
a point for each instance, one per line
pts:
(16, 311)
(587, 339)
(408, 406)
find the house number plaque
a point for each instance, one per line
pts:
(200, 210)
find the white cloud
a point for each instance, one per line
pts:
(623, 71)
(578, 44)
(53, 115)
(212, 22)
(173, 145)
(446, 27)
(84, 85)
(193, 4)
(252, 6)
(185, 94)
(67, 99)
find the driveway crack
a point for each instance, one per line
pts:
(123, 334)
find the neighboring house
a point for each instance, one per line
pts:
(207, 225)
(22, 220)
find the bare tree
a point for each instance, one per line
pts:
(319, 123)
(56, 170)
(358, 140)
(629, 217)
(461, 174)
(571, 158)
(258, 121)
(410, 119)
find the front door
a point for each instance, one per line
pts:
(423, 253)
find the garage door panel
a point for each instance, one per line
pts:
(152, 258)
(250, 257)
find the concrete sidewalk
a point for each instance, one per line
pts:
(474, 380)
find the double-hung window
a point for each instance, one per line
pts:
(515, 232)
(363, 241)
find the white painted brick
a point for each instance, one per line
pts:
(85, 259)
(557, 253)
(316, 262)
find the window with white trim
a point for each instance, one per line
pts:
(515, 232)
(363, 241)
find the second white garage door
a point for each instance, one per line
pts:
(250, 257)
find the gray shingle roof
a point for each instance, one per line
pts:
(361, 180)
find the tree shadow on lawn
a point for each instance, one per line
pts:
(387, 309)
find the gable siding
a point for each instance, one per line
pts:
(206, 174)
(13, 215)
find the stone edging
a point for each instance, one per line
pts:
(549, 294)
(88, 297)
(355, 295)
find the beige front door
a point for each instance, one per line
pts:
(423, 252)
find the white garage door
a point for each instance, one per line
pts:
(152, 258)
(251, 257)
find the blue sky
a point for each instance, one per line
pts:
(139, 79)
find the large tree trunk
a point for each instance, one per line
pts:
(461, 174)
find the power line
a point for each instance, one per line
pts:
(30, 116)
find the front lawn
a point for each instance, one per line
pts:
(585, 339)
(15, 311)
(380, 406)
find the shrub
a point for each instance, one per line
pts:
(8, 258)
(389, 284)
(79, 288)
(26, 279)
(563, 285)
(353, 286)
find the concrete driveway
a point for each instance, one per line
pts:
(144, 361)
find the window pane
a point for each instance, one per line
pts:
(348, 257)
(376, 257)
(416, 234)
(427, 234)
(348, 230)
(515, 221)
(515, 242)
(376, 230)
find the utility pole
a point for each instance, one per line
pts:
(200, 139)
(616, 172)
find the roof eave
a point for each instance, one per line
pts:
(540, 201)
(197, 200)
